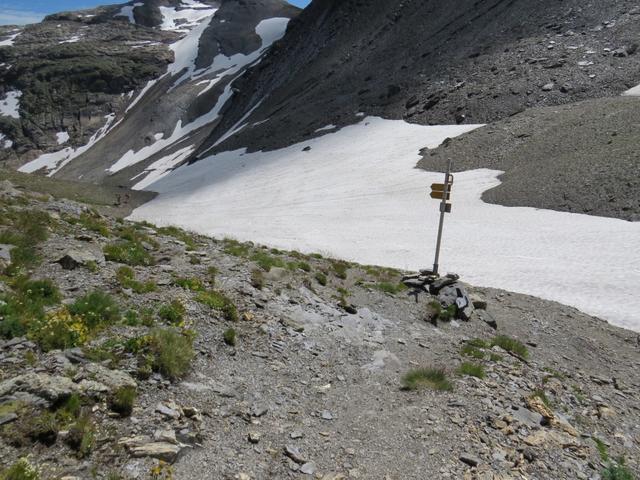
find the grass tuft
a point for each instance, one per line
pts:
(122, 400)
(510, 345)
(229, 336)
(129, 253)
(172, 352)
(472, 370)
(433, 378)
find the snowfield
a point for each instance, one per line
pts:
(52, 162)
(357, 195)
(186, 51)
(10, 105)
(633, 92)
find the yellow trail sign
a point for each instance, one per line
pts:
(439, 187)
(440, 195)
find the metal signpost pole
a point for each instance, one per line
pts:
(443, 211)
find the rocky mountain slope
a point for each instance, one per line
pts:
(434, 62)
(183, 56)
(424, 61)
(132, 351)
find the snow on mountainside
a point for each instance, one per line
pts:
(356, 195)
(207, 45)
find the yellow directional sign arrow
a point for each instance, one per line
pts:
(440, 195)
(439, 187)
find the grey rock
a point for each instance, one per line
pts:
(47, 387)
(294, 454)
(308, 468)
(470, 460)
(75, 257)
(548, 87)
(8, 418)
(526, 416)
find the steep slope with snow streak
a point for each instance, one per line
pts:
(165, 119)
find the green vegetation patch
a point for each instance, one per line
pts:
(510, 345)
(172, 352)
(127, 279)
(390, 288)
(122, 400)
(28, 229)
(129, 253)
(20, 470)
(266, 261)
(173, 312)
(617, 471)
(179, 234)
(472, 370)
(229, 336)
(97, 309)
(433, 378)
(193, 284)
(235, 248)
(219, 301)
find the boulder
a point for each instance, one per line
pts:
(41, 385)
(78, 257)
(112, 379)
(144, 447)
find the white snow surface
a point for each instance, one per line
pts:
(186, 51)
(633, 92)
(73, 39)
(187, 16)
(326, 128)
(357, 195)
(10, 105)
(127, 11)
(5, 142)
(8, 42)
(53, 162)
(62, 137)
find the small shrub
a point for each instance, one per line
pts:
(257, 279)
(229, 337)
(129, 253)
(193, 284)
(321, 278)
(266, 261)
(173, 312)
(92, 221)
(44, 291)
(471, 351)
(21, 470)
(442, 314)
(97, 309)
(127, 278)
(235, 248)
(539, 393)
(340, 269)
(212, 272)
(510, 345)
(131, 318)
(472, 370)
(219, 301)
(433, 378)
(59, 330)
(42, 428)
(602, 449)
(617, 471)
(178, 234)
(390, 288)
(122, 400)
(172, 352)
(81, 436)
(70, 410)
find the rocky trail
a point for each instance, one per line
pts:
(133, 351)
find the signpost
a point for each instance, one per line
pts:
(442, 191)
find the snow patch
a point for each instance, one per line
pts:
(10, 106)
(324, 129)
(5, 142)
(74, 39)
(357, 195)
(8, 42)
(62, 137)
(127, 11)
(633, 92)
(186, 51)
(53, 162)
(185, 17)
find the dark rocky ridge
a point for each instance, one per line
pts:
(581, 158)
(433, 62)
(72, 86)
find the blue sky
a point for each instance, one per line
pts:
(30, 11)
